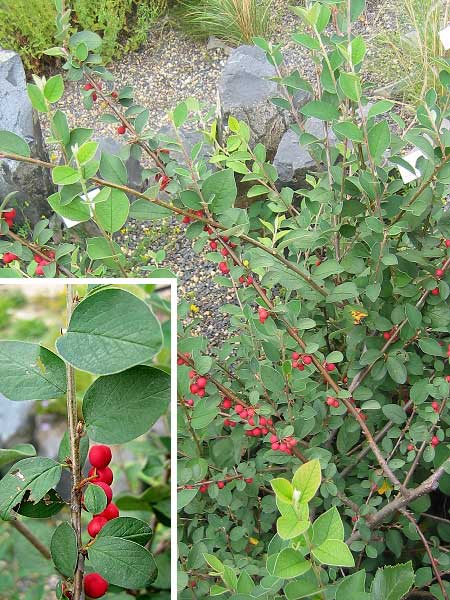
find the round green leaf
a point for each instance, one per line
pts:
(30, 372)
(10, 142)
(122, 562)
(110, 331)
(290, 563)
(95, 499)
(8, 455)
(127, 528)
(113, 212)
(121, 407)
(64, 550)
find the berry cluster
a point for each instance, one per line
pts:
(183, 361)
(300, 360)
(283, 445)
(100, 474)
(198, 386)
(42, 262)
(9, 257)
(163, 181)
(332, 401)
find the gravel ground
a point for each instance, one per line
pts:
(168, 69)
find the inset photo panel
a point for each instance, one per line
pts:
(85, 453)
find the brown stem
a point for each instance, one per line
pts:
(36, 250)
(21, 528)
(74, 440)
(434, 566)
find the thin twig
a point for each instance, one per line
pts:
(29, 535)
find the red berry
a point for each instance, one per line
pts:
(94, 96)
(114, 94)
(203, 489)
(434, 440)
(94, 585)
(330, 366)
(295, 364)
(273, 439)
(121, 129)
(307, 360)
(40, 267)
(201, 392)
(257, 432)
(410, 447)
(249, 480)
(164, 182)
(243, 414)
(239, 408)
(201, 382)
(283, 447)
(295, 356)
(186, 220)
(95, 525)
(220, 485)
(435, 406)
(9, 257)
(275, 446)
(88, 86)
(435, 291)
(192, 374)
(194, 388)
(387, 335)
(213, 245)
(447, 243)
(354, 518)
(223, 267)
(110, 512)
(262, 314)
(105, 475)
(100, 456)
(249, 280)
(447, 378)
(224, 252)
(336, 403)
(105, 487)
(227, 403)
(439, 272)
(330, 400)
(262, 420)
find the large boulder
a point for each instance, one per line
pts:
(292, 160)
(33, 183)
(245, 92)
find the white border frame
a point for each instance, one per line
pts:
(173, 382)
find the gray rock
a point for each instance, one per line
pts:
(245, 91)
(188, 139)
(17, 419)
(32, 183)
(49, 433)
(293, 161)
(134, 167)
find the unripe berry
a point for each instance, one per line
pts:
(94, 585)
(110, 512)
(100, 456)
(105, 487)
(105, 475)
(434, 441)
(95, 525)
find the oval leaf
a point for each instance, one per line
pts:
(127, 528)
(63, 548)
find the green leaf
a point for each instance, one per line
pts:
(143, 210)
(49, 506)
(65, 175)
(112, 168)
(184, 497)
(99, 249)
(357, 50)
(283, 489)
(110, 331)
(392, 583)
(112, 214)
(180, 114)
(321, 110)
(64, 549)
(36, 97)
(304, 587)
(328, 526)
(307, 479)
(86, 152)
(350, 85)
(76, 210)
(413, 315)
(54, 88)
(203, 414)
(95, 499)
(219, 190)
(127, 528)
(272, 379)
(36, 475)
(290, 563)
(394, 413)
(348, 130)
(214, 562)
(379, 139)
(121, 407)
(10, 142)
(352, 586)
(8, 455)
(29, 371)
(89, 38)
(341, 292)
(396, 369)
(334, 553)
(379, 108)
(431, 346)
(122, 562)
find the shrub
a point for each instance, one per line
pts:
(90, 545)
(234, 21)
(338, 344)
(28, 27)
